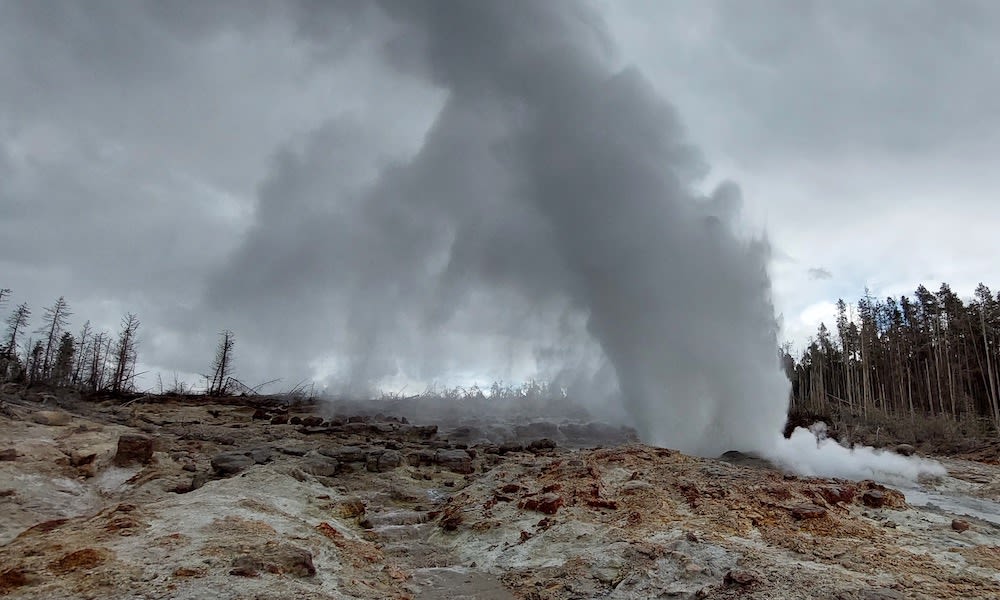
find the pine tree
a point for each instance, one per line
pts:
(34, 362)
(62, 369)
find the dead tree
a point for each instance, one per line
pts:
(53, 322)
(222, 366)
(17, 322)
(125, 354)
(100, 347)
(81, 352)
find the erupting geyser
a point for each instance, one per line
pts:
(551, 206)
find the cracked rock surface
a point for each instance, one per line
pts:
(190, 497)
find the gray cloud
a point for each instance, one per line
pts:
(819, 273)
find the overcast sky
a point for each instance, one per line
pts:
(142, 144)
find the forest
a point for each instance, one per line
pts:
(94, 361)
(928, 356)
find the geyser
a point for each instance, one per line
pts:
(552, 208)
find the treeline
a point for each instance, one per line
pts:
(929, 355)
(95, 361)
(92, 361)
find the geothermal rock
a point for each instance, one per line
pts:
(54, 418)
(312, 421)
(383, 460)
(905, 449)
(873, 499)
(457, 461)
(231, 463)
(544, 503)
(542, 444)
(320, 466)
(345, 454)
(807, 511)
(134, 448)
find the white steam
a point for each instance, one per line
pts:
(552, 211)
(810, 452)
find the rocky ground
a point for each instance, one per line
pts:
(173, 497)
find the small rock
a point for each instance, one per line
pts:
(693, 569)
(808, 511)
(260, 415)
(344, 454)
(312, 421)
(605, 574)
(835, 494)
(279, 419)
(54, 418)
(198, 480)
(291, 448)
(296, 420)
(507, 447)
(739, 578)
(635, 485)
(420, 458)
(544, 503)
(873, 499)
(905, 449)
(291, 559)
(380, 461)
(8, 454)
(320, 466)
(960, 525)
(231, 463)
(261, 455)
(82, 457)
(390, 459)
(356, 428)
(457, 461)
(246, 566)
(134, 448)
(542, 444)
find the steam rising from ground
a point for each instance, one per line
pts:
(549, 221)
(811, 452)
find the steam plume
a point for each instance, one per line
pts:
(549, 214)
